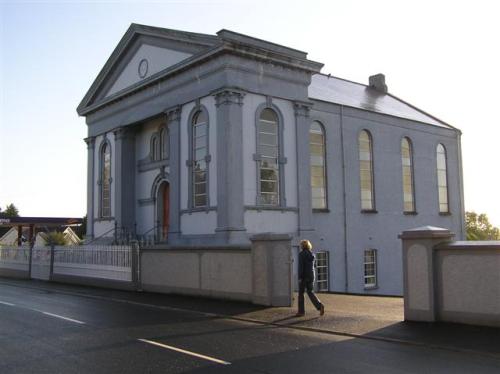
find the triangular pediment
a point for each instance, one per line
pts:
(146, 61)
(143, 53)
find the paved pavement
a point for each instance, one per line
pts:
(367, 317)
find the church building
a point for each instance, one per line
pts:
(206, 140)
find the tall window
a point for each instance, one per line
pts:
(268, 151)
(442, 179)
(106, 180)
(407, 162)
(200, 151)
(318, 177)
(366, 171)
(164, 146)
(154, 148)
(370, 268)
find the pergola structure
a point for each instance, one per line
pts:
(33, 222)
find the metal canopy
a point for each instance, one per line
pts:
(39, 221)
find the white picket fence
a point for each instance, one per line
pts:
(112, 262)
(15, 258)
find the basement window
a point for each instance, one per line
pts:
(322, 270)
(370, 268)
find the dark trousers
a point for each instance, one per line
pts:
(303, 286)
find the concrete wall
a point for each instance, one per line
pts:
(260, 273)
(222, 273)
(450, 281)
(14, 261)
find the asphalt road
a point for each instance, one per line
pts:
(43, 331)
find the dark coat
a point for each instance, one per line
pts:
(306, 265)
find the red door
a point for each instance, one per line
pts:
(166, 209)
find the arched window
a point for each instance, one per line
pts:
(408, 182)
(442, 179)
(366, 171)
(318, 176)
(105, 180)
(154, 148)
(268, 156)
(164, 144)
(199, 148)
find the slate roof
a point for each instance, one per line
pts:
(340, 91)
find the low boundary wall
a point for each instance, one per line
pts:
(260, 272)
(15, 262)
(452, 281)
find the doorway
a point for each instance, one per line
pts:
(163, 210)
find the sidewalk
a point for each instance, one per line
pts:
(366, 317)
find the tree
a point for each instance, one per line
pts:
(11, 211)
(479, 227)
(55, 238)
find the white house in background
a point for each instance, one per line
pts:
(210, 139)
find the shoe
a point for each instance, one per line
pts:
(322, 310)
(300, 314)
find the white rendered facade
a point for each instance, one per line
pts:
(229, 80)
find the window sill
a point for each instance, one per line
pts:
(410, 213)
(369, 211)
(268, 207)
(371, 288)
(104, 219)
(198, 210)
(445, 213)
(324, 210)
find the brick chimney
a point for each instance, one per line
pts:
(377, 82)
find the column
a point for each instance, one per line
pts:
(230, 199)
(174, 127)
(124, 179)
(302, 126)
(90, 185)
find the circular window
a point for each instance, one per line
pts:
(143, 68)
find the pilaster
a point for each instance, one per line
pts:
(302, 127)
(174, 124)
(230, 200)
(124, 178)
(419, 272)
(90, 185)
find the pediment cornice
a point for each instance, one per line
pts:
(209, 47)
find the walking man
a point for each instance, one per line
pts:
(306, 278)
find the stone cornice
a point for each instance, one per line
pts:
(250, 48)
(173, 114)
(122, 133)
(302, 109)
(90, 142)
(228, 96)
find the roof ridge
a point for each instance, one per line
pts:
(423, 111)
(342, 79)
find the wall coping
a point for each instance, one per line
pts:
(195, 248)
(270, 237)
(426, 232)
(472, 245)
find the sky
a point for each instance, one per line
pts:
(441, 56)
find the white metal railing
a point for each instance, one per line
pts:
(9, 254)
(109, 255)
